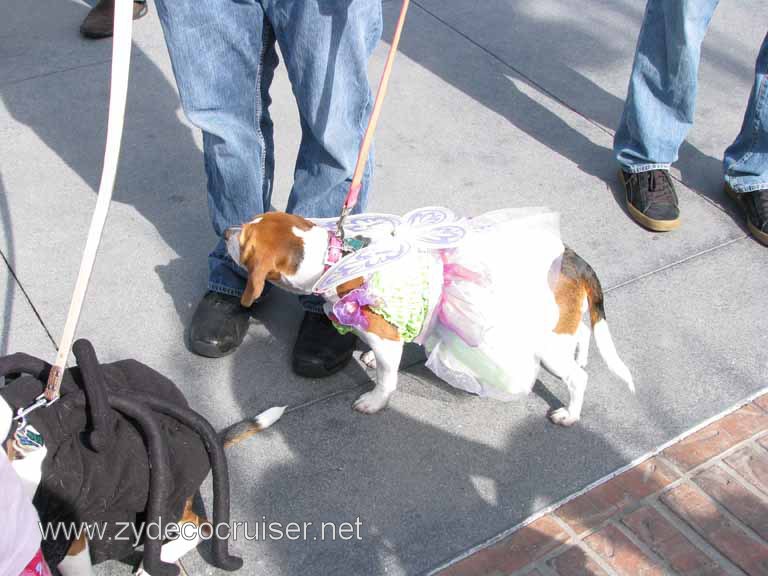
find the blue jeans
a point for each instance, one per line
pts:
(224, 57)
(661, 99)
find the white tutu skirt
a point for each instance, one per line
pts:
(496, 306)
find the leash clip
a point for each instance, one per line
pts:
(21, 413)
(346, 209)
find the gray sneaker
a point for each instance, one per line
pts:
(651, 199)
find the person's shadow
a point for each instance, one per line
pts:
(73, 124)
(558, 44)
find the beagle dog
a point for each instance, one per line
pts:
(291, 252)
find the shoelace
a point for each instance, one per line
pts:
(659, 188)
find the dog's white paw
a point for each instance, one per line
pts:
(371, 402)
(369, 359)
(562, 417)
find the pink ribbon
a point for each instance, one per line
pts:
(446, 311)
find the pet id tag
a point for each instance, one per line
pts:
(27, 438)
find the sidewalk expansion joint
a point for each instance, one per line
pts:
(676, 263)
(53, 73)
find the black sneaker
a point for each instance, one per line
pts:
(218, 325)
(651, 199)
(755, 204)
(320, 350)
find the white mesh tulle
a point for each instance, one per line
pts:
(496, 306)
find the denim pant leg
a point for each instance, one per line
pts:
(223, 58)
(326, 45)
(746, 160)
(661, 98)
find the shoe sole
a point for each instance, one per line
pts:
(759, 235)
(85, 33)
(642, 219)
(209, 350)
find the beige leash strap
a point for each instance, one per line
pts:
(121, 60)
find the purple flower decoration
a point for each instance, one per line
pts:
(349, 309)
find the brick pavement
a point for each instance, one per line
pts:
(699, 508)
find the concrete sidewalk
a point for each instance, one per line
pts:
(493, 103)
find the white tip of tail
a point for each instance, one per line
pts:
(608, 351)
(269, 417)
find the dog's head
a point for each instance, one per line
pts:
(285, 249)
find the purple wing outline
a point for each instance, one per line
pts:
(428, 228)
(362, 263)
(429, 216)
(360, 223)
(437, 237)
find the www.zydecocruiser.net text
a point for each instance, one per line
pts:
(258, 530)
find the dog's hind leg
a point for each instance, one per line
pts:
(557, 357)
(583, 337)
(77, 562)
(190, 526)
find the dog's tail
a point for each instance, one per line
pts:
(600, 327)
(250, 426)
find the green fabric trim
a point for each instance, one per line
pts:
(341, 329)
(404, 291)
(405, 300)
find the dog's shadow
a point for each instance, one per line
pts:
(423, 493)
(335, 453)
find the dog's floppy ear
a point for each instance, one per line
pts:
(257, 275)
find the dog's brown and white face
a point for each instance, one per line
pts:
(284, 249)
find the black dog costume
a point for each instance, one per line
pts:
(123, 446)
